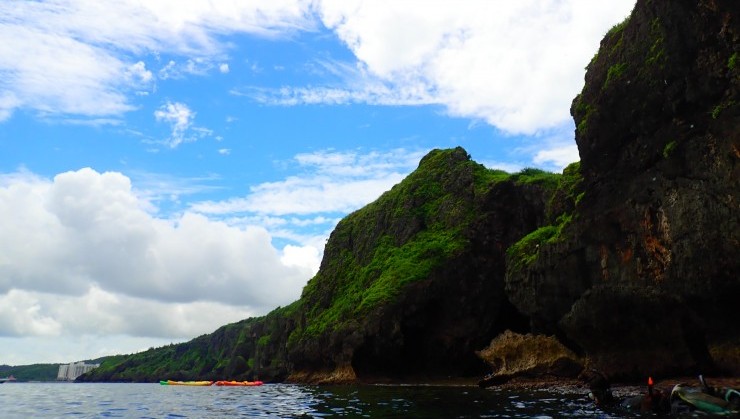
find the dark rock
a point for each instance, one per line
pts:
(647, 275)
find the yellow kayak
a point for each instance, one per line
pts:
(185, 383)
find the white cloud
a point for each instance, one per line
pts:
(21, 314)
(509, 167)
(86, 230)
(180, 118)
(305, 256)
(332, 182)
(517, 65)
(65, 349)
(82, 56)
(169, 71)
(552, 152)
(99, 312)
(85, 257)
(199, 66)
(138, 73)
(8, 103)
(559, 156)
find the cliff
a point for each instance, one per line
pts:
(630, 259)
(410, 287)
(413, 283)
(646, 278)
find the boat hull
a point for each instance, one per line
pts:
(238, 383)
(186, 383)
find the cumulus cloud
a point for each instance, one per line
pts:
(515, 65)
(99, 312)
(86, 255)
(83, 254)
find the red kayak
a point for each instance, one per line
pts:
(238, 383)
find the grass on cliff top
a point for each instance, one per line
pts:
(204, 357)
(569, 192)
(437, 199)
(440, 195)
(391, 268)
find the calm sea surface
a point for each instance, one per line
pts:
(91, 400)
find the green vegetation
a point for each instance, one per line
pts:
(568, 193)
(732, 61)
(582, 114)
(263, 340)
(656, 55)
(617, 29)
(34, 372)
(524, 252)
(614, 72)
(593, 60)
(38, 372)
(530, 176)
(431, 209)
(669, 148)
(565, 198)
(614, 36)
(717, 111)
(205, 357)
(391, 268)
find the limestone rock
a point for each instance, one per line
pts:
(512, 354)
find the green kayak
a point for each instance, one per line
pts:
(700, 400)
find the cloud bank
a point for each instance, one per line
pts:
(516, 65)
(84, 255)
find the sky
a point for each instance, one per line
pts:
(168, 166)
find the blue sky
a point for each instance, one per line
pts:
(170, 167)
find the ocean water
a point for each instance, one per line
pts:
(103, 400)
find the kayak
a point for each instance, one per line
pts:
(185, 383)
(701, 401)
(238, 383)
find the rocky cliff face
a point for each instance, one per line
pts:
(647, 276)
(412, 284)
